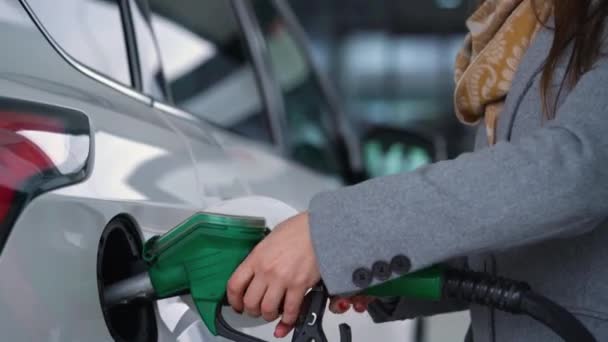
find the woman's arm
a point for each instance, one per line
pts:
(550, 183)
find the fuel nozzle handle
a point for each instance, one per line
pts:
(197, 257)
(426, 285)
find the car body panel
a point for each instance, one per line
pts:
(265, 173)
(48, 288)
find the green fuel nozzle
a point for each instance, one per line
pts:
(197, 257)
(425, 285)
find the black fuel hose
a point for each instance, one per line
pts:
(555, 317)
(516, 298)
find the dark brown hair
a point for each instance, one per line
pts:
(580, 23)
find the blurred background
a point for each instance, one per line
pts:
(391, 60)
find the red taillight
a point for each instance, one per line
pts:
(38, 153)
(21, 160)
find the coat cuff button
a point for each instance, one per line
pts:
(381, 270)
(362, 277)
(401, 265)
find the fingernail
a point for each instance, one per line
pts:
(278, 332)
(343, 305)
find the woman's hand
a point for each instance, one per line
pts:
(276, 275)
(340, 305)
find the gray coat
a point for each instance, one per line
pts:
(532, 208)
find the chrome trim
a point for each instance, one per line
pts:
(172, 110)
(260, 60)
(125, 90)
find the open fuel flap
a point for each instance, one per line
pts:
(118, 258)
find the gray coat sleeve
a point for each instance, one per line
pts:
(551, 183)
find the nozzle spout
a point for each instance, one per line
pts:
(138, 287)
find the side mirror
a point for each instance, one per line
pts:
(390, 150)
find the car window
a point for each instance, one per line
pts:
(90, 31)
(153, 80)
(308, 113)
(207, 66)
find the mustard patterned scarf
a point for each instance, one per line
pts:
(500, 31)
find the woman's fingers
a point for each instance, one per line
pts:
(282, 330)
(272, 302)
(339, 305)
(360, 303)
(282, 265)
(252, 300)
(291, 311)
(291, 307)
(359, 307)
(237, 285)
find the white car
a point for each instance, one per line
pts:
(121, 118)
